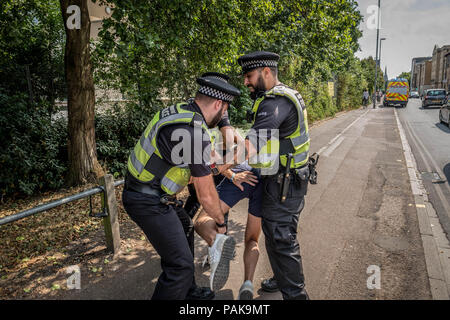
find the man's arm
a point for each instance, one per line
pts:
(244, 149)
(208, 197)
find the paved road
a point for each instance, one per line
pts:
(430, 143)
(360, 214)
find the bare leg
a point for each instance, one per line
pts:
(205, 226)
(251, 252)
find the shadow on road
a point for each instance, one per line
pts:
(430, 108)
(391, 107)
(447, 172)
(131, 275)
(443, 127)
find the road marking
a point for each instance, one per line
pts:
(330, 144)
(438, 268)
(333, 146)
(427, 161)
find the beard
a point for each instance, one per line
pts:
(213, 123)
(259, 89)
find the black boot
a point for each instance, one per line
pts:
(200, 293)
(302, 296)
(270, 285)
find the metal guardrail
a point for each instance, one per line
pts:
(56, 203)
(111, 225)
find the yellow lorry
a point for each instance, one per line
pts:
(397, 93)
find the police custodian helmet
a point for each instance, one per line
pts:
(258, 59)
(215, 85)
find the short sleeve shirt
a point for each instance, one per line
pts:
(275, 113)
(193, 141)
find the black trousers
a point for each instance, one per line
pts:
(170, 230)
(279, 224)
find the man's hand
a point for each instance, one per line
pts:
(244, 177)
(221, 230)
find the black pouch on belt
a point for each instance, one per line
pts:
(303, 173)
(312, 163)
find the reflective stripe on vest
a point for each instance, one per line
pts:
(300, 137)
(177, 177)
(171, 185)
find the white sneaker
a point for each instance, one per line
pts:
(246, 291)
(220, 255)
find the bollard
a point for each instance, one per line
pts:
(111, 222)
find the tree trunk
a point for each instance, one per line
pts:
(83, 164)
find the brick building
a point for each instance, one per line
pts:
(421, 74)
(446, 80)
(438, 69)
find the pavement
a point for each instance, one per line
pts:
(362, 233)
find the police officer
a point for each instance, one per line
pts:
(192, 205)
(173, 150)
(280, 108)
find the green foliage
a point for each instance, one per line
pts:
(405, 75)
(319, 103)
(152, 52)
(368, 70)
(155, 50)
(117, 131)
(33, 147)
(32, 36)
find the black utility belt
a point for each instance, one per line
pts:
(133, 185)
(145, 189)
(301, 173)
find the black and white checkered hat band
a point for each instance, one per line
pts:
(218, 78)
(252, 64)
(216, 94)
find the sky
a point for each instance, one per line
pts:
(411, 27)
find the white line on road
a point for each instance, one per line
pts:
(431, 166)
(330, 144)
(438, 267)
(333, 147)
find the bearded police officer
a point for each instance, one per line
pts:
(279, 142)
(158, 169)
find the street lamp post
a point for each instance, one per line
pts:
(376, 59)
(381, 42)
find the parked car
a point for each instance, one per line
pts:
(434, 97)
(444, 114)
(414, 95)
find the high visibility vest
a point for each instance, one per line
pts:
(145, 162)
(296, 143)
